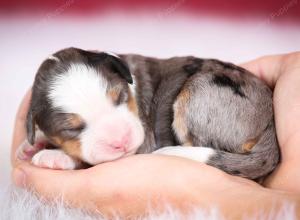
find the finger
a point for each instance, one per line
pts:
(19, 134)
(51, 184)
(267, 68)
(25, 151)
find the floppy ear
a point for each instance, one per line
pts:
(115, 63)
(120, 67)
(30, 127)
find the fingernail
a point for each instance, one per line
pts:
(19, 177)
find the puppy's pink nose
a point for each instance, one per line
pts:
(119, 147)
(122, 144)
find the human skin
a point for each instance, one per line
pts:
(282, 72)
(131, 184)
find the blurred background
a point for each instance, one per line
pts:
(234, 31)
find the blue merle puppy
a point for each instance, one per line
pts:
(90, 107)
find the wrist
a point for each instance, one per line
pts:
(252, 202)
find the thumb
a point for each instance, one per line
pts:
(69, 184)
(267, 68)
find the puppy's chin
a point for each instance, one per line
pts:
(98, 156)
(104, 152)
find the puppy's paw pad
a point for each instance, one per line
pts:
(54, 159)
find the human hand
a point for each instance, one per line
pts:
(137, 181)
(282, 73)
(130, 185)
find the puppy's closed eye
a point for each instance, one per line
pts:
(71, 133)
(71, 128)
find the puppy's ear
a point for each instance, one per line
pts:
(110, 60)
(120, 67)
(30, 127)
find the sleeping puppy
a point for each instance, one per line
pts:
(91, 107)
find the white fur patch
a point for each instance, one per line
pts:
(80, 90)
(112, 54)
(53, 58)
(200, 154)
(40, 136)
(132, 86)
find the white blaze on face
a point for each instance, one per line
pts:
(80, 90)
(111, 131)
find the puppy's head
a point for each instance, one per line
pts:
(82, 103)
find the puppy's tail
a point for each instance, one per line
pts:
(258, 162)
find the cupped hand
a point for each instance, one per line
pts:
(282, 73)
(131, 185)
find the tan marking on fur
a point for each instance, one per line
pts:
(71, 147)
(188, 143)
(179, 123)
(57, 140)
(247, 147)
(132, 105)
(75, 120)
(113, 93)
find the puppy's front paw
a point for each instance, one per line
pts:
(54, 159)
